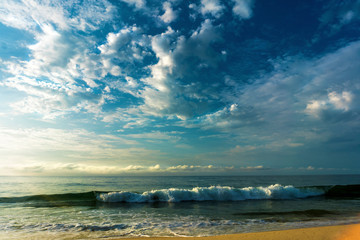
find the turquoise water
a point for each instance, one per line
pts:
(110, 207)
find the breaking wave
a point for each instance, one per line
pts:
(197, 194)
(213, 193)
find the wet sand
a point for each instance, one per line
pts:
(341, 232)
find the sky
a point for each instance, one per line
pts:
(203, 87)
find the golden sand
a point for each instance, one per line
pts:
(341, 232)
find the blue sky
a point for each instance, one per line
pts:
(179, 87)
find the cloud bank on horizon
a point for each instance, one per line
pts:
(179, 87)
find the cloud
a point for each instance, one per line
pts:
(310, 168)
(137, 3)
(243, 8)
(124, 48)
(60, 75)
(51, 49)
(131, 117)
(227, 118)
(341, 101)
(335, 101)
(76, 169)
(143, 73)
(165, 93)
(276, 111)
(43, 168)
(169, 15)
(64, 75)
(239, 148)
(21, 146)
(156, 135)
(28, 15)
(69, 72)
(212, 7)
(336, 16)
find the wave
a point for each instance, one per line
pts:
(213, 193)
(197, 194)
(54, 200)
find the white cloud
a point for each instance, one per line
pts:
(51, 49)
(169, 15)
(212, 7)
(157, 95)
(127, 46)
(188, 168)
(341, 101)
(137, 3)
(314, 107)
(124, 45)
(310, 168)
(71, 168)
(59, 60)
(250, 168)
(334, 101)
(156, 135)
(228, 118)
(243, 8)
(29, 14)
(65, 74)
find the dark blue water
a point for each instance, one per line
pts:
(97, 207)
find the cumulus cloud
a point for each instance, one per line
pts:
(165, 93)
(121, 49)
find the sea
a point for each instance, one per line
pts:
(128, 207)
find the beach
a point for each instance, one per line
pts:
(340, 232)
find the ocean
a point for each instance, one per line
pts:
(116, 207)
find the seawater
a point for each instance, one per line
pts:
(115, 207)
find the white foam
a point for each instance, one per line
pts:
(213, 193)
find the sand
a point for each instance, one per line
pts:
(341, 232)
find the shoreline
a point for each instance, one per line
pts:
(337, 232)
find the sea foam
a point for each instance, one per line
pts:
(213, 193)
